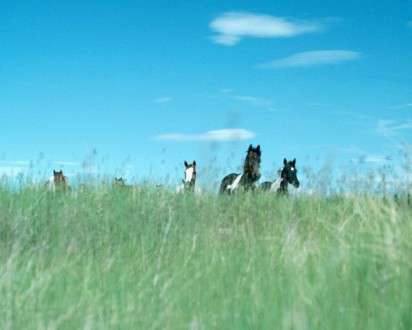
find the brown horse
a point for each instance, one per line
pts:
(58, 182)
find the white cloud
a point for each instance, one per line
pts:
(163, 99)
(15, 162)
(226, 40)
(221, 135)
(12, 170)
(312, 58)
(231, 27)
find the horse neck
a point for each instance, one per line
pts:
(283, 188)
(60, 183)
(248, 173)
(190, 186)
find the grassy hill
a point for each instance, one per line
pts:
(148, 258)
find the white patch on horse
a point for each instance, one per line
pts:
(275, 185)
(189, 174)
(235, 183)
(50, 184)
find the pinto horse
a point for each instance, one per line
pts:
(288, 175)
(189, 180)
(246, 180)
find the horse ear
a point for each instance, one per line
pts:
(54, 172)
(250, 147)
(258, 148)
(186, 164)
(285, 162)
(194, 163)
(294, 161)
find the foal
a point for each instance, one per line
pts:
(246, 180)
(288, 175)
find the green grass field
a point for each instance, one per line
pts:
(151, 259)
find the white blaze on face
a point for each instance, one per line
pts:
(189, 174)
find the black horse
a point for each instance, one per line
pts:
(288, 175)
(246, 180)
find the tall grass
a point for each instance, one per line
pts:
(150, 259)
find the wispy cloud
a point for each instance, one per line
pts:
(401, 106)
(226, 90)
(163, 99)
(390, 128)
(66, 163)
(221, 135)
(312, 58)
(253, 100)
(13, 168)
(14, 163)
(231, 27)
(372, 159)
(10, 170)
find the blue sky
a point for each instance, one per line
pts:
(150, 84)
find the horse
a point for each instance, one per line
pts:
(58, 182)
(118, 182)
(246, 180)
(287, 175)
(189, 181)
